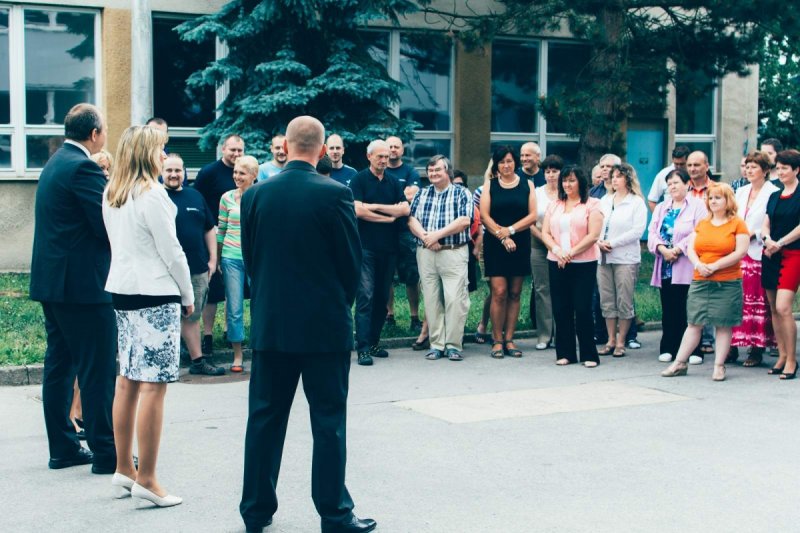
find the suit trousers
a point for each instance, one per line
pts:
(443, 276)
(542, 309)
(273, 383)
(377, 273)
(82, 340)
(673, 315)
(571, 290)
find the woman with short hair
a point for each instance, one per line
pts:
(715, 295)
(781, 260)
(229, 252)
(755, 330)
(149, 281)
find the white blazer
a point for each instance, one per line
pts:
(754, 217)
(623, 227)
(146, 257)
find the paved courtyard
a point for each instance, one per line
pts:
(512, 445)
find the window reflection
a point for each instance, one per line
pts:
(5, 102)
(192, 155)
(566, 64)
(694, 103)
(418, 151)
(176, 61)
(515, 85)
(41, 147)
(59, 63)
(377, 44)
(5, 151)
(425, 61)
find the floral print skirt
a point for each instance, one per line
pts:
(149, 343)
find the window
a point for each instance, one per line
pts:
(55, 69)
(696, 112)
(423, 63)
(515, 86)
(185, 113)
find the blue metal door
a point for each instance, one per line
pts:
(646, 154)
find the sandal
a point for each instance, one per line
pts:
(607, 350)
(497, 354)
(619, 352)
(237, 369)
(511, 352)
(755, 358)
(775, 370)
(706, 348)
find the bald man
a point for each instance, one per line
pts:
(309, 283)
(697, 167)
(530, 157)
(340, 172)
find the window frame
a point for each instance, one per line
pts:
(712, 138)
(18, 128)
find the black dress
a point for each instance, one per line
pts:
(784, 216)
(507, 207)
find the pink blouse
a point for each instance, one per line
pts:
(578, 227)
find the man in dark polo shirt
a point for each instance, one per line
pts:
(379, 202)
(196, 229)
(214, 180)
(407, 270)
(530, 157)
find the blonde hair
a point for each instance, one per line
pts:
(101, 155)
(489, 174)
(631, 178)
(138, 163)
(727, 193)
(248, 163)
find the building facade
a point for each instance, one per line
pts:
(55, 55)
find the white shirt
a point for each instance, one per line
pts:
(754, 217)
(542, 203)
(146, 257)
(659, 186)
(79, 145)
(623, 227)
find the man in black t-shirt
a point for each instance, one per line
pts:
(196, 229)
(379, 202)
(407, 270)
(214, 180)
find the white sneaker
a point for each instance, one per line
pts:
(634, 344)
(665, 357)
(542, 346)
(695, 360)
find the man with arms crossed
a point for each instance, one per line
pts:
(310, 283)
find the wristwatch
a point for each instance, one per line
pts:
(511, 230)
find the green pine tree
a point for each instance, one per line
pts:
(298, 57)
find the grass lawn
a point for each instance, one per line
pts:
(22, 337)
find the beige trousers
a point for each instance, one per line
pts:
(443, 277)
(540, 272)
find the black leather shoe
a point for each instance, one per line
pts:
(83, 457)
(354, 525)
(257, 529)
(109, 467)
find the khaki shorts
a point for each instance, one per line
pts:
(200, 288)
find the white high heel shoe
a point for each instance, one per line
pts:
(141, 494)
(121, 485)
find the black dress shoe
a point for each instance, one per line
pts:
(257, 529)
(82, 457)
(110, 466)
(354, 525)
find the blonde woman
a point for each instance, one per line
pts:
(624, 222)
(104, 161)
(716, 249)
(229, 250)
(149, 281)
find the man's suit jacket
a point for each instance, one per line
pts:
(302, 252)
(71, 254)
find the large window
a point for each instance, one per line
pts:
(523, 71)
(47, 65)
(696, 112)
(185, 112)
(423, 63)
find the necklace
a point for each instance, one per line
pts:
(508, 184)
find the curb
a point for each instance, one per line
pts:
(15, 376)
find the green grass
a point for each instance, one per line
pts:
(22, 336)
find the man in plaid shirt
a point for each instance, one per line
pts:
(440, 219)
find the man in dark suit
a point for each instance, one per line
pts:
(69, 267)
(301, 248)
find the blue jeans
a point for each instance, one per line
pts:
(234, 277)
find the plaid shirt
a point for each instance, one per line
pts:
(435, 210)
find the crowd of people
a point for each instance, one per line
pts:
(126, 267)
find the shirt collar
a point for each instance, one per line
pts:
(79, 145)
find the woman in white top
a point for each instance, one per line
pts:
(755, 330)
(541, 304)
(149, 281)
(624, 222)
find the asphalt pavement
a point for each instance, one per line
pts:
(481, 445)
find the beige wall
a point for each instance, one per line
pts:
(738, 121)
(116, 73)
